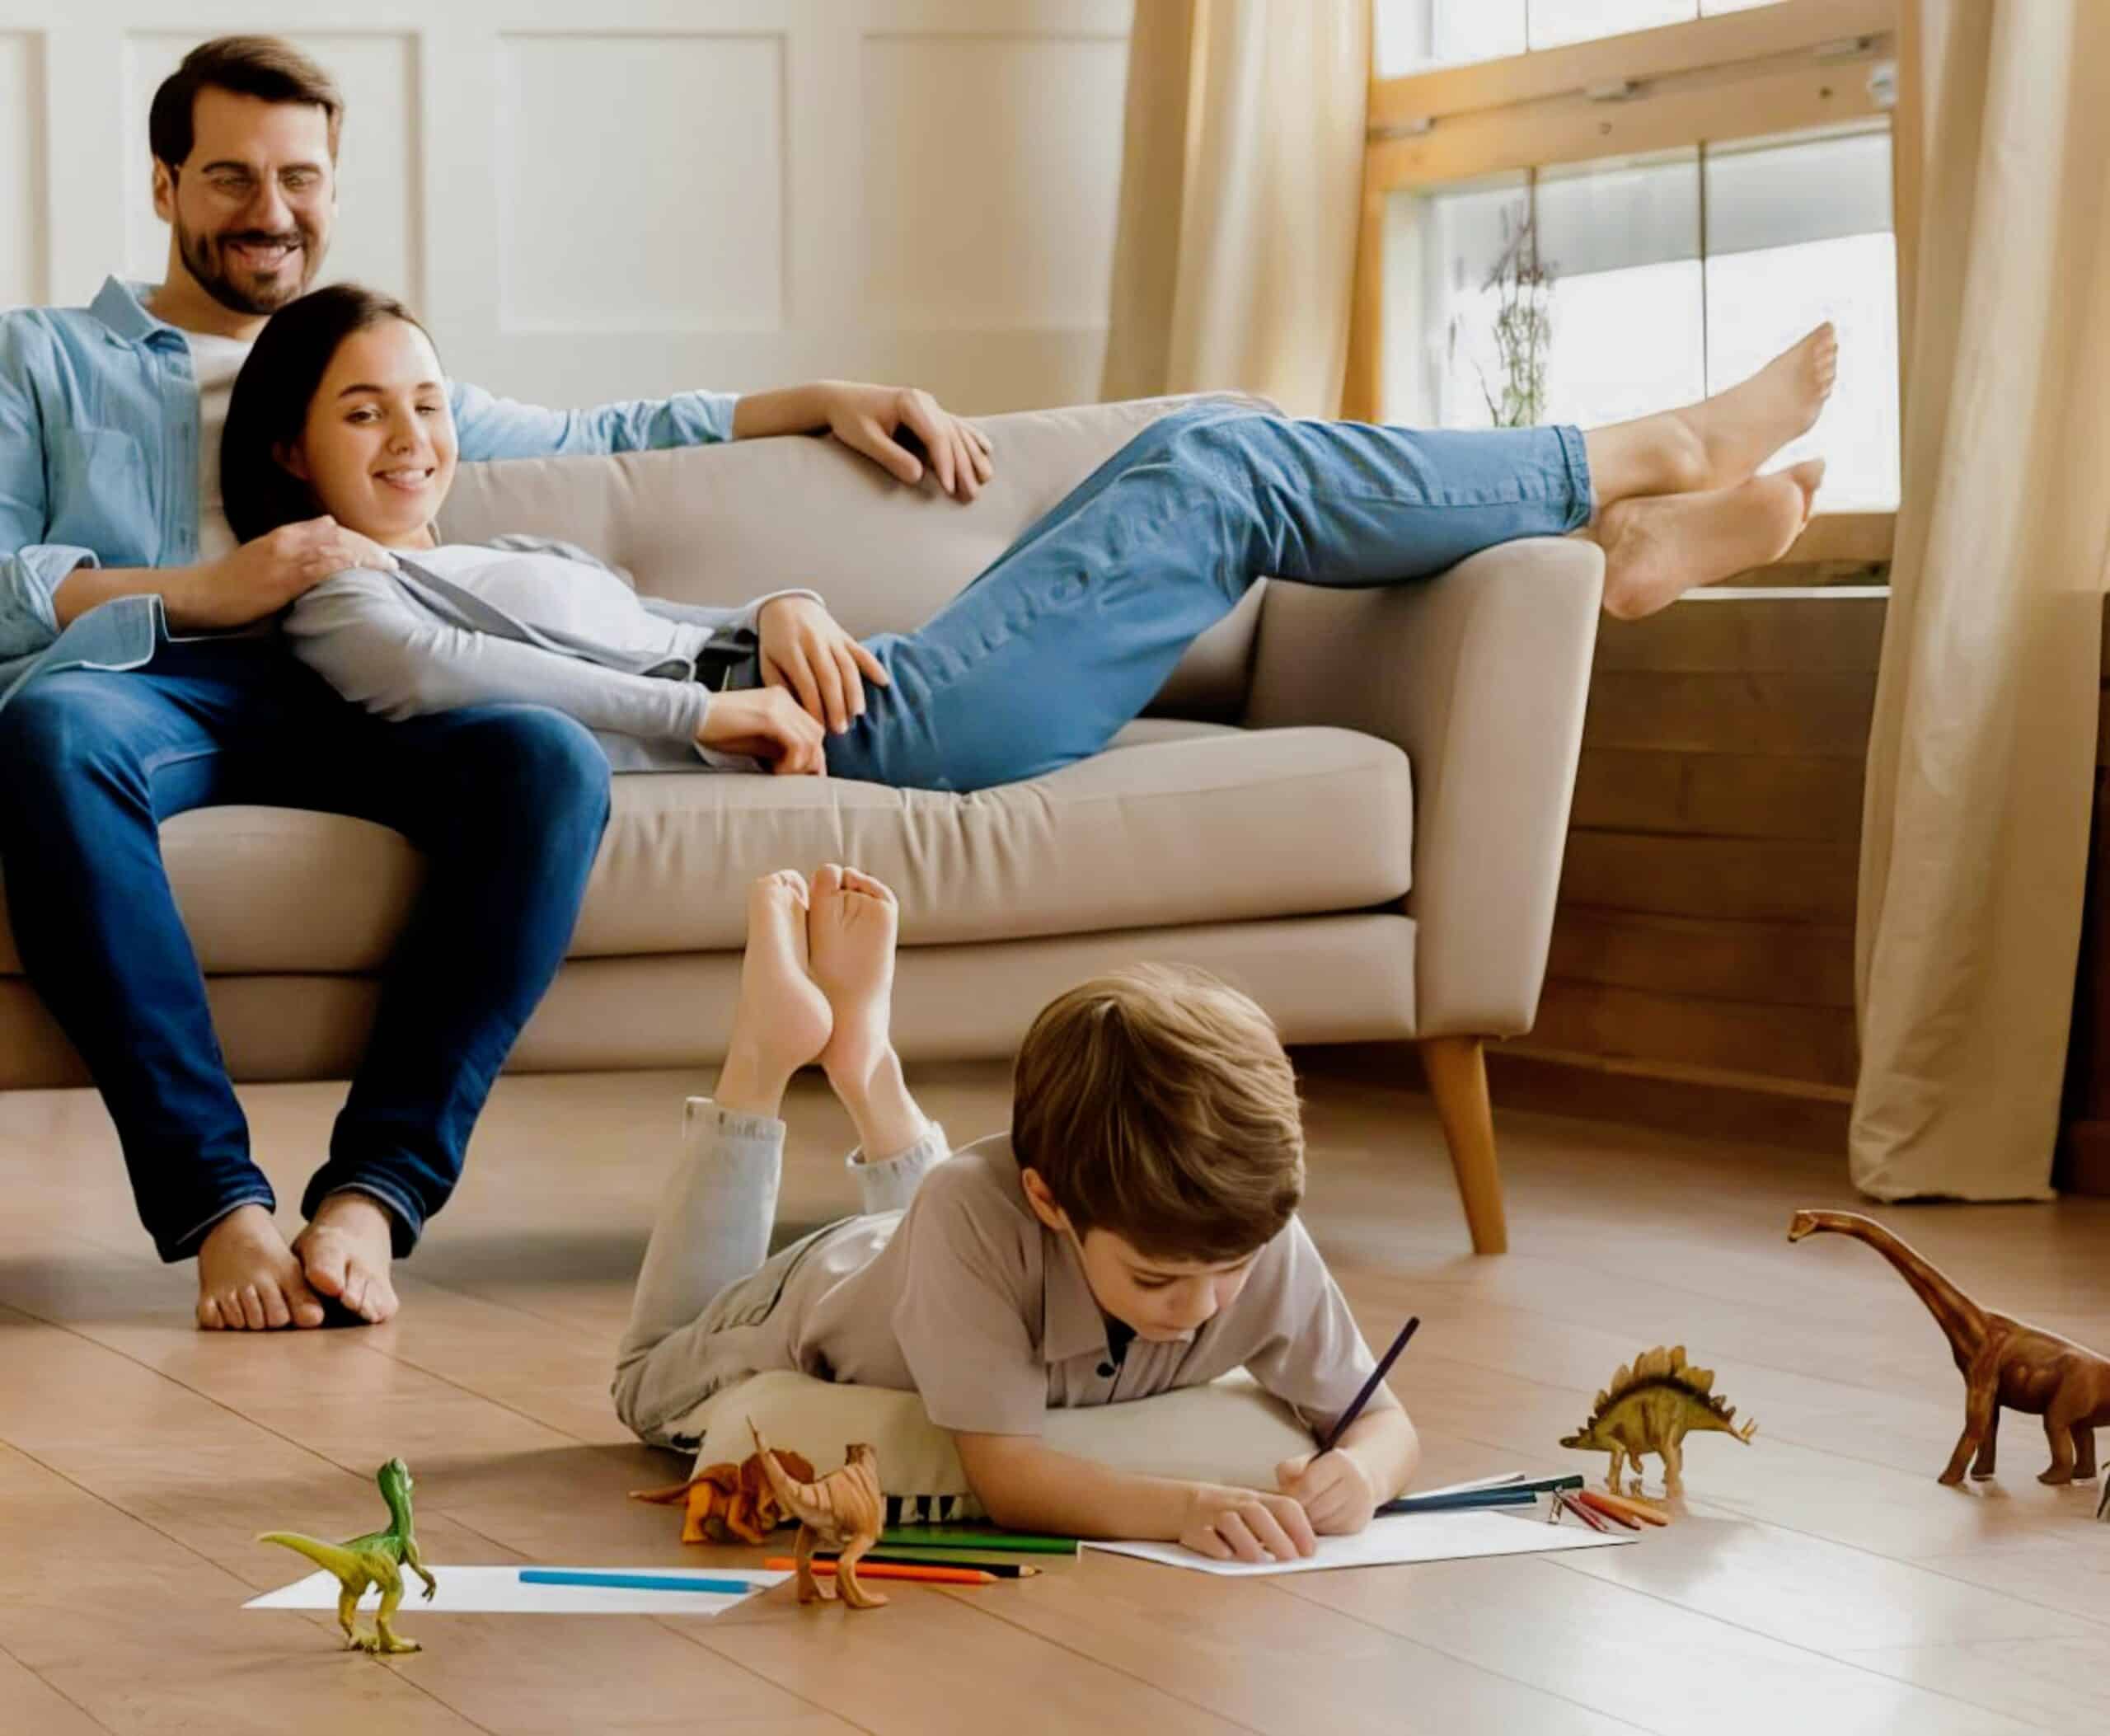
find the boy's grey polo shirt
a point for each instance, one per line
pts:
(967, 1299)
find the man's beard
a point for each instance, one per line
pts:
(203, 256)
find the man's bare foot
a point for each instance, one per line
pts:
(249, 1280)
(783, 1020)
(851, 936)
(1658, 549)
(346, 1250)
(1739, 429)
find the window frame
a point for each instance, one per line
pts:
(1787, 68)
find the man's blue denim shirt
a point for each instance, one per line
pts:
(99, 466)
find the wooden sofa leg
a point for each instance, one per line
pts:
(1457, 1077)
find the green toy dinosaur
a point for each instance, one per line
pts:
(377, 1559)
(1651, 1408)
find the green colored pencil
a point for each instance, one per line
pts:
(1001, 1542)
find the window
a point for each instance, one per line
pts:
(1414, 34)
(1696, 199)
(1673, 275)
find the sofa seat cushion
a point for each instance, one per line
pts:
(1177, 823)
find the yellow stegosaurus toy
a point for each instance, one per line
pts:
(1651, 1407)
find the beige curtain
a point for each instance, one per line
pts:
(1976, 824)
(1241, 189)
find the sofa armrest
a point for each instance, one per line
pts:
(1481, 675)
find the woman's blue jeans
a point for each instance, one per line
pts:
(1073, 630)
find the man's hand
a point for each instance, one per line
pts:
(1332, 1488)
(805, 649)
(765, 724)
(261, 577)
(867, 418)
(1246, 1525)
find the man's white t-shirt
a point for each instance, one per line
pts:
(215, 361)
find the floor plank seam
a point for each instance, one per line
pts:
(37, 1675)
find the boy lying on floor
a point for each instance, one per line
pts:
(1136, 1232)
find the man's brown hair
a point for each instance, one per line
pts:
(264, 67)
(1156, 1103)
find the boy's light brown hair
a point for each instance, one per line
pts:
(265, 67)
(1156, 1102)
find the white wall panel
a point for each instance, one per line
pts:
(378, 221)
(641, 183)
(992, 178)
(597, 199)
(24, 255)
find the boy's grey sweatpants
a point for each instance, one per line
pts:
(713, 1230)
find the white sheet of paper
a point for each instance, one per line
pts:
(1397, 1539)
(501, 1589)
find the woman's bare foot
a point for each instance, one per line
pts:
(1720, 441)
(1657, 549)
(1739, 429)
(783, 1020)
(249, 1280)
(346, 1250)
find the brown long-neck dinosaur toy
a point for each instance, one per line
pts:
(2004, 1361)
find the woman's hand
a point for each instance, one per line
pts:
(765, 724)
(805, 649)
(867, 418)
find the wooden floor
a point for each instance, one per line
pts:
(1821, 1582)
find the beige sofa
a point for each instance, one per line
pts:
(1351, 803)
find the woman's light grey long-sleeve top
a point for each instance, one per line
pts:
(532, 622)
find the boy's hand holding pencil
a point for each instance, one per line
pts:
(1332, 1489)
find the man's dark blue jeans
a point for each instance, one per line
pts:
(508, 803)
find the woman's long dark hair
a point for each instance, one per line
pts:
(268, 410)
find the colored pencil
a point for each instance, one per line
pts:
(1596, 1503)
(635, 1582)
(1371, 1385)
(900, 1570)
(1465, 1501)
(1633, 1509)
(934, 1558)
(1520, 1492)
(1594, 1521)
(1002, 1542)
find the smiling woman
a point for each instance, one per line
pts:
(342, 411)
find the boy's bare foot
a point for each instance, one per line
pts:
(347, 1250)
(1738, 430)
(851, 936)
(783, 1020)
(1658, 549)
(248, 1278)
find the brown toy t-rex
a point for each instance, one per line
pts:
(728, 1503)
(2004, 1361)
(843, 1509)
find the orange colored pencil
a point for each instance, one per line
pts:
(896, 1570)
(1597, 1503)
(1631, 1508)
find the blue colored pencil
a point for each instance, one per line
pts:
(1464, 1500)
(633, 1582)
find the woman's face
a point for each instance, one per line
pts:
(378, 448)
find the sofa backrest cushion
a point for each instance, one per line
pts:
(724, 523)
